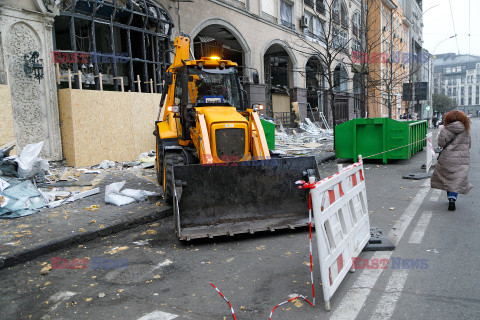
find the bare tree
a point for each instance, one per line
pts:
(329, 42)
(377, 54)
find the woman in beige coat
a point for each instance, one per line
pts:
(453, 165)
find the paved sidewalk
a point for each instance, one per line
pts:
(23, 239)
(26, 238)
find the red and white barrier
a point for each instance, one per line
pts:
(342, 225)
(430, 152)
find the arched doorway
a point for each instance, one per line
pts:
(357, 95)
(278, 79)
(218, 40)
(340, 78)
(315, 82)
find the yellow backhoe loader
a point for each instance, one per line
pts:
(213, 160)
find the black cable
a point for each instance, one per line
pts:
(453, 22)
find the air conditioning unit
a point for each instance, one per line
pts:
(303, 22)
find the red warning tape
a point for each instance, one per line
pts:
(294, 298)
(225, 298)
(304, 185)
(311, 262)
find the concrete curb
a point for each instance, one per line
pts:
(62, 243)
(327, 158)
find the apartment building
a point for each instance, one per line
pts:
(119, 45)
(281, 40)
(458, 76)
(389, 58)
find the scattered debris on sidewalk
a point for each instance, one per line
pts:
(29, 183)
(22, 199)
(29, 164)
(106, 164)
(309, 141)
(114, 195)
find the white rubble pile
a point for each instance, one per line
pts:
(309, 141)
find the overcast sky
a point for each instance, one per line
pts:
(438, 26)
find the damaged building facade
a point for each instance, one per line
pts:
(82, 76)
(94, 87)
(280, 39)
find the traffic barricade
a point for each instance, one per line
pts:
(430, 152)
(342, 224)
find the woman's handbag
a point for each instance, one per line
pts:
(446, 145)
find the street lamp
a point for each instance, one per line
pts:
(451, 37)
(430, 8)
(32, 66)
(433, 55)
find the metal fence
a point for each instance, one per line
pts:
(287, 119)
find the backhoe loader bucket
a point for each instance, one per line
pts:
(242, 197)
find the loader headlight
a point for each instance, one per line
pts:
(200, 65)
(257, 107)
(174, 109)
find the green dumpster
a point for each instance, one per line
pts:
(269, 129)
(372, 137)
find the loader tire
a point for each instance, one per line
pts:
(171, 159)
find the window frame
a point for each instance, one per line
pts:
(152, 13)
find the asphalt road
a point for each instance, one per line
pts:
(166, 279)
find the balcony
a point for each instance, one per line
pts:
(320, 7)
(309, 3)
(287, 24)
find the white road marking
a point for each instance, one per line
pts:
(435, 195)
(393, 291)
(158, 315)
(401, 225)
(354, 300)
(420, 228)
(61, 296)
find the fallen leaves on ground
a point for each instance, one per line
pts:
(93, 208)
(46, 269)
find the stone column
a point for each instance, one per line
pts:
(34, 103)
(256, 94)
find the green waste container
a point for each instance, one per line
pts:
(269, 129)
(376, 135)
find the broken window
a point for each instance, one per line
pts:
(286, 10)
(119, 39)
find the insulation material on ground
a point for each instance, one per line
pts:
(23, 199)
(115, 195)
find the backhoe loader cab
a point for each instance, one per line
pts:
(213, 160)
